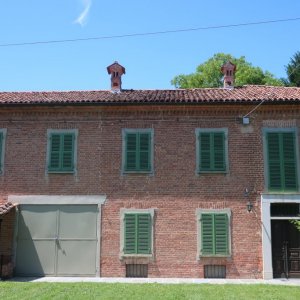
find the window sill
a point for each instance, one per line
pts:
(136, 258)
(135, 255)
(281, 192)
(212, 172)
(61, 172)
(214, 256)
(137, 173)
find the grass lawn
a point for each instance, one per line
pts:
(29, 290)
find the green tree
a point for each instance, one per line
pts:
(293, 70)
(296, 223)
(208, 74)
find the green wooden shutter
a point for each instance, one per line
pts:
(137, 234)
(145, 151)
(54, 160)
(274, 161)
(218, 151)
(144, 233)
(289, 161)
(282, 165)
(138, 151)
(1, 146)
(131, 150)
(61, 152)
(130, 234)
(67, 153)
(212, 151)
(207, 234)
(214, 234)
(221, 234)
(205, 151)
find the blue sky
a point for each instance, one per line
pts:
(150, 61)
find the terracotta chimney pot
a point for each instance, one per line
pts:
(116, 71)
(228, 69)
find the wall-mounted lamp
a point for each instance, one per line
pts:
(245, 120)
(249, 205)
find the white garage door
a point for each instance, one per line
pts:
(57, 240)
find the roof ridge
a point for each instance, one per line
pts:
(150, 90)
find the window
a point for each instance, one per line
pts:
(137, 270)
(137, 232)
(214, 271)
(212, 150)
(281, 160)
(214, 232)
(61, 156)
(2, 149)
(138, 150)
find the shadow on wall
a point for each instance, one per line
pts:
(31, 246)
(6, 267)
(6, 238)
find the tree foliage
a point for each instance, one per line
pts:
(293, 70)
(296, 223)
(208, 74)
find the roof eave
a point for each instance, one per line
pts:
(159, 103)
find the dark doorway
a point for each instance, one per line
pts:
(285, 249)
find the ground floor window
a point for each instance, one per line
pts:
(214, 232)
(137, 232)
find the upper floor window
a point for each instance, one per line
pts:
(61, 157)
(212, 150)
(281, 160)
(2, 149)
(137, 150)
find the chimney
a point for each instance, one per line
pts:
(116, 71)
(228, 69)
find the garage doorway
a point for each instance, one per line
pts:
(57, 240)
(57, 235)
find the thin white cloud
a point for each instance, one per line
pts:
(82, 18)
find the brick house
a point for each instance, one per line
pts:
(159, 183)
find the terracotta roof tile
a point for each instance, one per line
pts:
(6, 207)
(247, 93)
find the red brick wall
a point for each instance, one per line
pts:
(175, 239)
(175, 190)
(6, 244)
